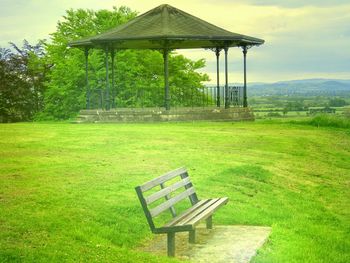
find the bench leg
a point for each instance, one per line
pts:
(171, 244)
(210, 222)
(192, 236)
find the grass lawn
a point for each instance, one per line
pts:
(67, 191)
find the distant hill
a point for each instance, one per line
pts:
(304, 87)
(307, 87)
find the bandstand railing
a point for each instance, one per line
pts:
(180, 97)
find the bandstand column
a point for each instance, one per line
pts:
(166, 79)
(107, 80)
(226, 80)
(87, 78)
(245, 99)
(217, 52)
(113, 79)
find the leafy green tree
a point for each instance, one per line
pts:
(32, 57)
(14, 90)
(337, 102)
(296, 105)
(22, 75)
(138, 73)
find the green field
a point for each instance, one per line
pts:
(67, 191)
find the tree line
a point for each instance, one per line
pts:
(46, 81)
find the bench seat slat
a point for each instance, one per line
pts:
(160, 208)
(208, 212)
(150, 199)
(198, 211)
(186, 212)
(163, 230)
(161, 179)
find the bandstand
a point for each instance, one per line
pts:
(166, 28)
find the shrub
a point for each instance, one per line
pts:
(325, 120)
(273, 114)
(346, 113)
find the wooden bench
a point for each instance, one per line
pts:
(188, 219)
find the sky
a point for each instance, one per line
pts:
(303, 39)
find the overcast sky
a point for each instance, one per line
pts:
(304, 39)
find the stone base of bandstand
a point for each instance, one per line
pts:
(123, 115)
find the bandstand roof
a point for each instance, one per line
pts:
(166, 27)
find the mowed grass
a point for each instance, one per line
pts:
(67, 191)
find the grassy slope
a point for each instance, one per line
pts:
(66, 191)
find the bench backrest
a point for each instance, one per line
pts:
(164, 192)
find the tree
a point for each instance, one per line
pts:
(22, 76)
(296, 105)
(139, 73)
(14, 90)
(337, 102)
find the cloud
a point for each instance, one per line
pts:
(300, 42)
